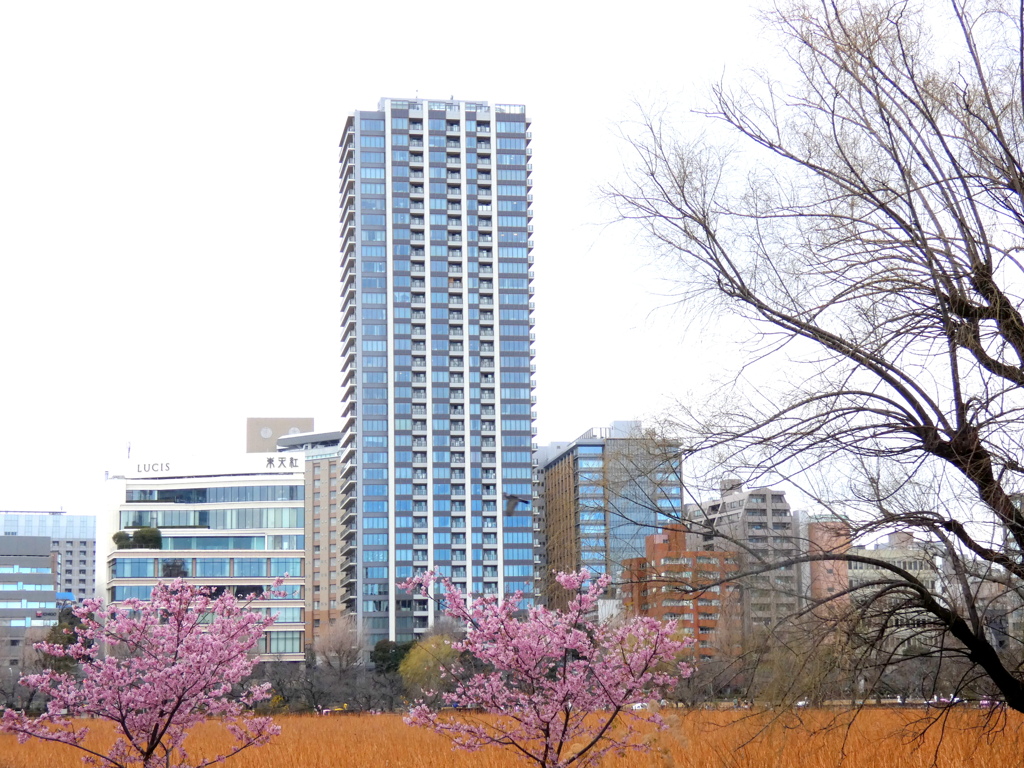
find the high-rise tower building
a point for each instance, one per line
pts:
(437, 371)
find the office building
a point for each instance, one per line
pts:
(28, 595)
(437, 371)
(73, 537)
(902, 549)
(604, 493)
(906, 626)
(232, 523)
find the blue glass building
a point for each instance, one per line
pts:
(437, 332)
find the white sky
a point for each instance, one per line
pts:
(169, 210)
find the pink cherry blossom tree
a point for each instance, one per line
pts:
(156, 669)
(554, 682)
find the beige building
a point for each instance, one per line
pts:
(906, 627)
(760, 525)
(330, 516)
(261, 434)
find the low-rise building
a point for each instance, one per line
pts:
(231, 524)
(73, 537)
(28, 593)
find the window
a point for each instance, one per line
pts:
(246, 567)
(284, 642)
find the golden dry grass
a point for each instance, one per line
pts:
(877, 739)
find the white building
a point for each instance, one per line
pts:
(234, 524)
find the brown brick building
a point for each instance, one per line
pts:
(674, 581)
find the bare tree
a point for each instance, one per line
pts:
(30, 661)
(339, 647)
(864, 217)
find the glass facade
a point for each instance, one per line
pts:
(604, 494)
(239, 543)
(258, 517)
(72, 539)
(437, 349)
(224, 495)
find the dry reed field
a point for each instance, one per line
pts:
(697, 739)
